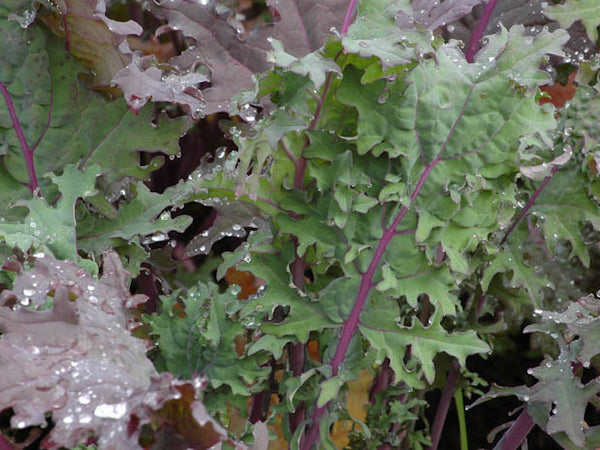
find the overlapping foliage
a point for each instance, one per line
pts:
(394, 203)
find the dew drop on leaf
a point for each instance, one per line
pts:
(248, 113)
(28, 292)
(111, 411)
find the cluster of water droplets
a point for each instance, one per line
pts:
(80, 362)
(25, 20)
(248, 113)
(232, 221)
(223, 161)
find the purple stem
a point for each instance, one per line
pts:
(67, 31)
(288, 153)
(34, 146)
(474, 41)
(529, 204)
(27, 152)
(480, 304)
(382, 381)
(517, 433)
(300, 162)
(299, 415)
(258, 406)
(296, 351)
(348, 17)
(442, 410)
(5, 443)
(299, 173)
(351, 324)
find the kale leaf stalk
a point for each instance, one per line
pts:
(350, 326)
(475, 39)
(367, 283)
(528, 206)
(444, 405)
(297, 351)
(348, 18)
(27, 151)
(517, 433)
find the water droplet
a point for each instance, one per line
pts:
(158, 237)
(221, 152)
(111, 411)
(248, 113)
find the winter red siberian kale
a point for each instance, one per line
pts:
(299, 224)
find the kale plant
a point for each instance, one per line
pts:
(331, 211)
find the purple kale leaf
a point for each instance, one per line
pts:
(91, 36)
(221, 55)
(432, 14)
(77, 360)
